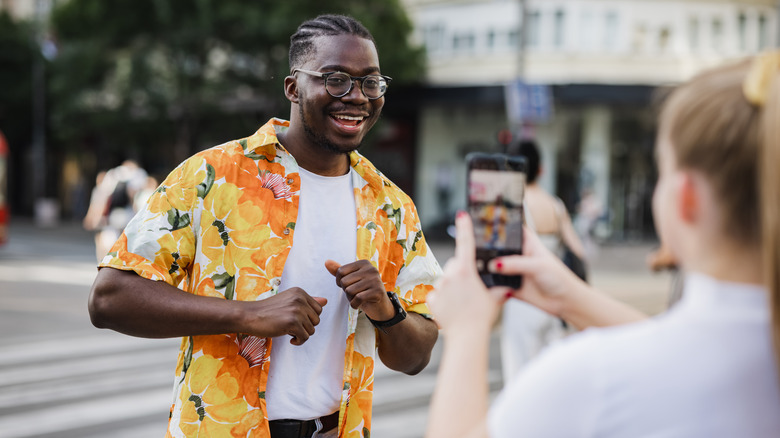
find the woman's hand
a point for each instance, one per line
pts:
(460, 300)
(547, 282)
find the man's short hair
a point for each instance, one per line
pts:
(302, 41)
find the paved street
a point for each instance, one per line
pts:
(60, 377)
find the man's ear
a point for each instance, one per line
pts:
(291, 89)
(689, 200)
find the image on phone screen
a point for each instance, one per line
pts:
(496, 184)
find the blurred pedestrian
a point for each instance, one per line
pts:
(662, 260)
(254, 243)
(708, 367)
(111, 204)
(589, 212)
(144, 193)
(525, 329)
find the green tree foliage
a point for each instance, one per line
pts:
(152, 77)
(16, 59)
(17, 54)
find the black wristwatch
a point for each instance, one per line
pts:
(400, 314)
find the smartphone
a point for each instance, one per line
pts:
(496, 186)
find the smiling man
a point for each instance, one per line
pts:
(285, 260)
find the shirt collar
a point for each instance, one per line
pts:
(702, 292)
(266, 138)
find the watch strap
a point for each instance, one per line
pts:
(400, 314)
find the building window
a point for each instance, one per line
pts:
(534, 29)
(717, 34)
(763, 40)
(693, 33)
(513, 36)
(434, 37)
(463, 42)
(742, 31)
(638, 39)
(610, 30)
(559, 28)
(490, 39)
(588, 36)
(664, 35)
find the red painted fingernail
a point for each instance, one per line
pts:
(460, 214)
(508, 295)
(498, 265)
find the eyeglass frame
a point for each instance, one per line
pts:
(351, 81)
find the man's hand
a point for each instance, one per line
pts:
(364, 288)
(130, 304)
(290, 312)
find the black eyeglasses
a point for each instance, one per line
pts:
(339, 84)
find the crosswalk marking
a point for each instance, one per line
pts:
(75, 415)
(108, 384)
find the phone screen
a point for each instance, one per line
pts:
(496, 184)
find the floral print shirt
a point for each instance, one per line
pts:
(221, 225)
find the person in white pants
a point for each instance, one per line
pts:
(525, 329)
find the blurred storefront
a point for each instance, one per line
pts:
(605, 63)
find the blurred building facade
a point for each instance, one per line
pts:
(600, 61)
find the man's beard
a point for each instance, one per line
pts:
(320, 140)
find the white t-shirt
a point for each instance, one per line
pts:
(704, 369)
(305, 381)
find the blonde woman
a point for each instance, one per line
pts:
(706, 368)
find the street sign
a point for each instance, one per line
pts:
(528, 103)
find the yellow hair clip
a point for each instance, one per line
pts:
(765, 67)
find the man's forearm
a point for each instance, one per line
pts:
(127, 303)
(407, 346)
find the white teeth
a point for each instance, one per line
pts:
(339, 116)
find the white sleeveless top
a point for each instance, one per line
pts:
(551, 241)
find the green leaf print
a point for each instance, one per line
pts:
(187, 360)
(256, 156)
(291, 225)
(177, 220)
(394, 214)
(242, 143)
(371, 226)
(417, 238)
(366, 433)
(174, 265)
(261, 394)
(205, 186)
(230, 289)
(224, 235)
(222, 280)
(198, 402)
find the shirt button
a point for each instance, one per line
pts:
(290, 181)
(277, 282)
(286, 231)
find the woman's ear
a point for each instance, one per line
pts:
(291, 89)
(689, 201)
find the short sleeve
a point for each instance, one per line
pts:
(556, 395)
(420, 268)
(159, 242)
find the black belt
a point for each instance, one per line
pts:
(302, 428)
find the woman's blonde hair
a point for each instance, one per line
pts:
(726, 125)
